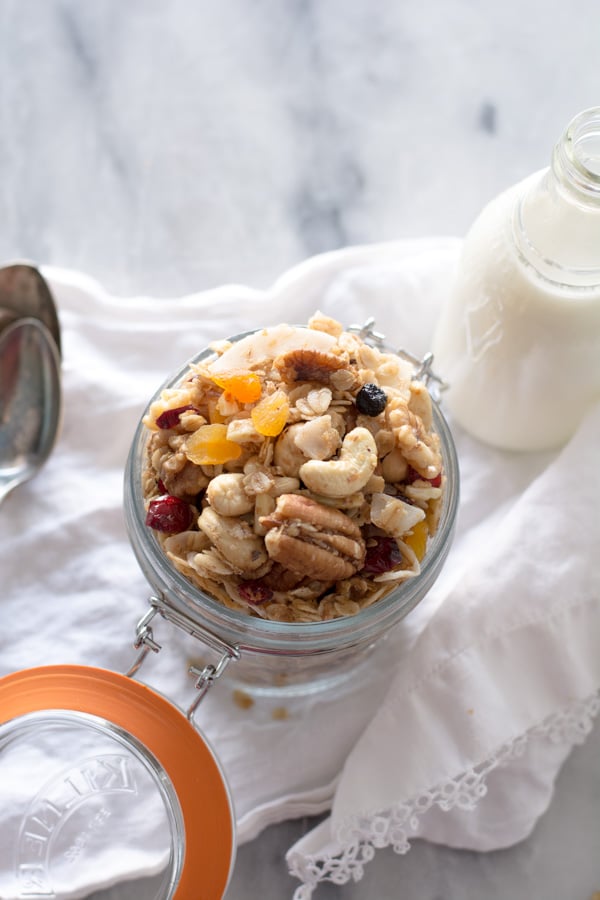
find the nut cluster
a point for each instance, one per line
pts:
(277, 492)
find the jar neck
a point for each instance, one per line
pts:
(556, 217)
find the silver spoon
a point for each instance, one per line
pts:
(24, 293)
(30, 401)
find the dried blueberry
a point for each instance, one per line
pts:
(371, 399)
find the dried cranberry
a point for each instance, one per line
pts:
(385, 555)
(371, 399)
(169, 514)
(413, 475)
(254, 592)
(170, 417)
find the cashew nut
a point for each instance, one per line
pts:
(226, 495)
(235, 541)
(347, 474)
(287, 456)
(375, 484)
(394, 467)
(420, 404)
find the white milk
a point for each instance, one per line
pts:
(521, 352)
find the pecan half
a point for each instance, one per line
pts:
(312, 539)
(308, 365)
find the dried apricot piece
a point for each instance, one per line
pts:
(208, 446)
(270, 415)
(242, 385)
(417, 540)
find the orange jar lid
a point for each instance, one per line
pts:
(104, 783)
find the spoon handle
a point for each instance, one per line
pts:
(30, 401)
(25, 293)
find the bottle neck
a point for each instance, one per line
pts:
(576, 159)
(556, 218)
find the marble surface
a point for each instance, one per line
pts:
(167, 147)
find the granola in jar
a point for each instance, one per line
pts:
(295, 475)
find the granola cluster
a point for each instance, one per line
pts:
(295, 475)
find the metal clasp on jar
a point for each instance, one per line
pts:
(423, 367)
(146, 643)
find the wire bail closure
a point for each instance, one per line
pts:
(146, 643)
(423, 367)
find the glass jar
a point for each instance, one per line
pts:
(519, 340)
(276, 656)
(106, 784)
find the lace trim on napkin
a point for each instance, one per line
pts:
(362, 835)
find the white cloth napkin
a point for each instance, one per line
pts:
(498, 666)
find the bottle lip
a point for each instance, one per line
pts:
(576, 156)
(261, 634)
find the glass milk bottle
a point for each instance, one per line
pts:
(519, 340)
